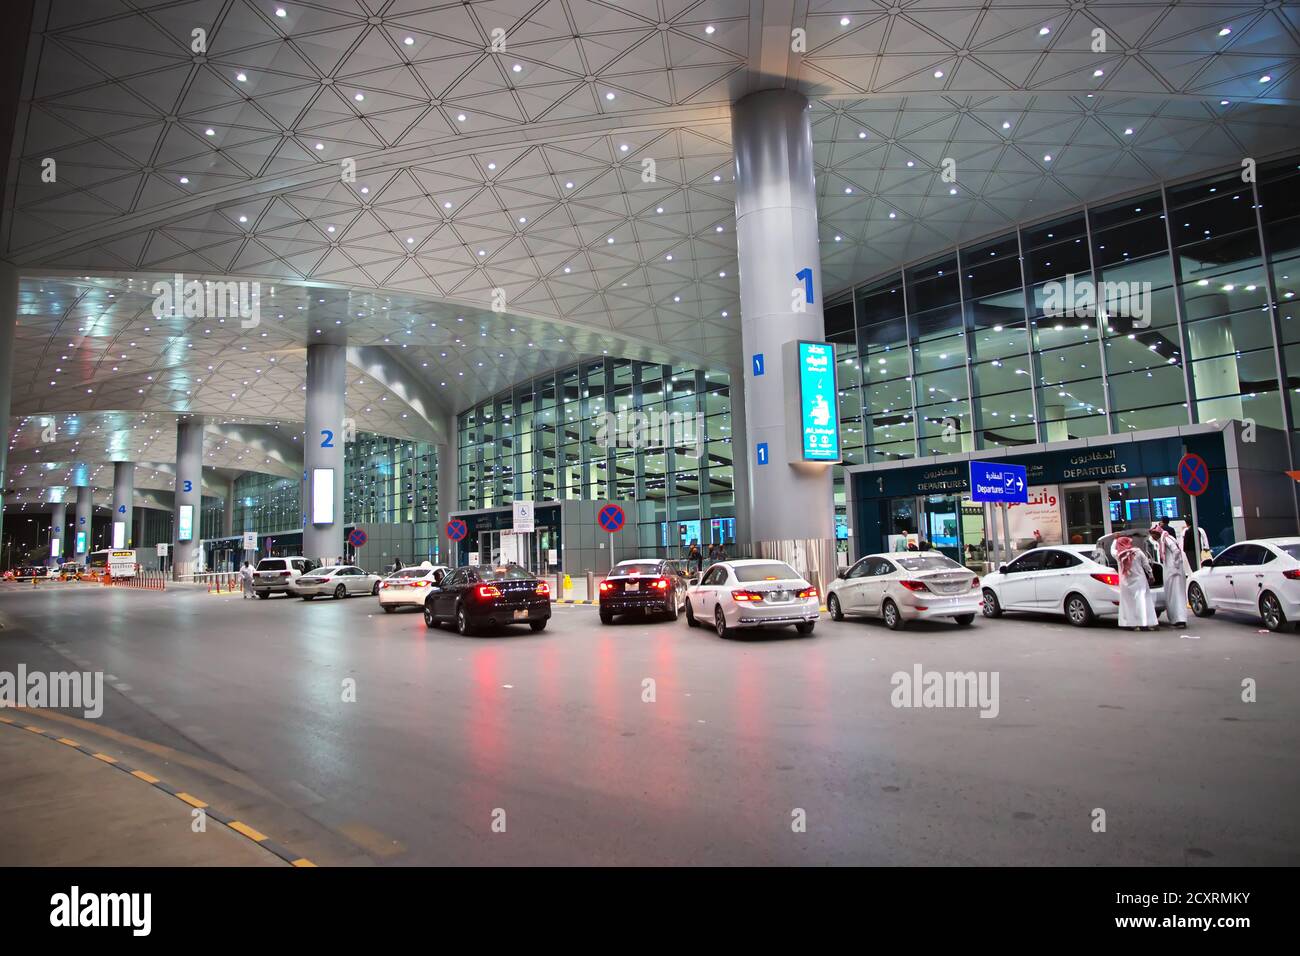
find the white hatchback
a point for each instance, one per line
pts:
(753, 592)
(905, 586)
(1072, 580)
(410, 586)
(1260, 578)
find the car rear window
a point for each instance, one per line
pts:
(623, 570)
(924, 562)
(775, 571)
(510, 573)
(272, 564)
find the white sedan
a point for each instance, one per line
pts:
(1260, 578)
(338, 581)
(410, 586)
(752, 593)
(1070, 579)
(901, 587)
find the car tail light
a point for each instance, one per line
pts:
(1293, 574)
(1109, 577)
(914, 585)
(746, 596)
(606, 586)
(487, 592)
(808, 593)
(660, 583)
(543, 588)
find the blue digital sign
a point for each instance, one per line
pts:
(998, 483)
(819, 417)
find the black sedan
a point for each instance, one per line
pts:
(645, 586)
(472, 598)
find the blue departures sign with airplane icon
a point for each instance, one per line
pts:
(819, 403)
(998, 483)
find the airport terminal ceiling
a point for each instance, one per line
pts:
(535, 182)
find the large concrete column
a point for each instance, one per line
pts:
(322, 540)
(8, 322)
(85, 520)
(189, 492)
(792, 513)
(58, 530)
(123, 504)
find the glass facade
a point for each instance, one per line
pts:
(385, 481)
(610, 429)
(1167, 308)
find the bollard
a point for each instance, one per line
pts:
(591, 585)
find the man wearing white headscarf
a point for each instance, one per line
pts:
(1137, 608)
(1169, 552)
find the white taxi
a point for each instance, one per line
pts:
(410, 586)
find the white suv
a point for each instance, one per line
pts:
(276, 575)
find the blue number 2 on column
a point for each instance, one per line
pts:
(806, 276)
(328, 442)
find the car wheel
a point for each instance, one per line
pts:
(965, 620)
(1270, 609)
(374, 591)
(805, 627)
(389, 608)
(537, 625)
(690, 615)
(893, 617)
(720, 623)
(833, 606)
(263, 595)
(1078, 611)
(429, 620)
(606, 617)
(1196, 598)
(991, 606)
(462, 622)
(340, 592)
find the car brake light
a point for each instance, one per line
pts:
(1293, 574)
(746, 596)
(660, 583)
(808, 593)
(1110, 578)
(606, 586)
(543, 588)
(487, 592)
(914, 585)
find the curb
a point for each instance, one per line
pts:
(243, 829)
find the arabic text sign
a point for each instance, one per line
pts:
(818, 402)
(998, 483)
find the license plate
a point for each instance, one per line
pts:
(521, 615)
(631, 587)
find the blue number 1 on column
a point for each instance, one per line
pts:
(805, 275)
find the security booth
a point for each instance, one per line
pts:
(1079, 491)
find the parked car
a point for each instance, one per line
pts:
(276, 575)
(337, 581)
(471, 598)
(642, 586)
(754, 592)
(1078, 581)
(901, 587)
(1260, 578)
(410, 586)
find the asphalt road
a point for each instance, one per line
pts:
(552, 734)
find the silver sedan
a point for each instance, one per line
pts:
(337, 581)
